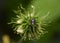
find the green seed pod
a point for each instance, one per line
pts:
(27, 24)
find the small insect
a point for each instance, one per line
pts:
(27, 24)
(32, 21)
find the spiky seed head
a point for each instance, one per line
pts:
(28, 25)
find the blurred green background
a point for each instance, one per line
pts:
(41, 8)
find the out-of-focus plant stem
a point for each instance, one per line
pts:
(6, 39)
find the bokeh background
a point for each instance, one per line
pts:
(42, 7)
